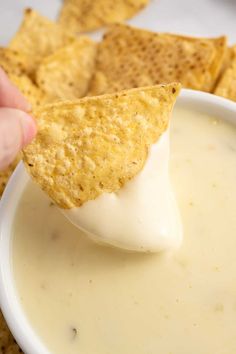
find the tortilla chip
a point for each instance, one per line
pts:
(13, 349)
(6, 174)
(96, 144)
(225, 64)
(14, 62)
(39, 37)
(66, 74)
(7, 342)
(31, 92)
(87, 15)
(229, 54)
(227, 84)
(130, 57)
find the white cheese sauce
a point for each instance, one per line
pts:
(89, 299)
(141, 216)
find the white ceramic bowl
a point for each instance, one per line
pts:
(10, 304)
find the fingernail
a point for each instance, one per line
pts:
(28, 127)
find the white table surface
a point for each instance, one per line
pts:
(199, 17)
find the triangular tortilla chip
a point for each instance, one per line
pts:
(66, 74)
(130, 57)
(227, 84)
(14, 62)
(31, 92)
(96, 144)
(39, 37)
(87, 15)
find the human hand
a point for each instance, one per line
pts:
(17, 128)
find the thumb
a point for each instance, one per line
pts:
(17, 129)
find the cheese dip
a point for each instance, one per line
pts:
(84, 298)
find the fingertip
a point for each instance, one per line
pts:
(29, 129)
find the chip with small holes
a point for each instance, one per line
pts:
(38, 37)
(227, 85)
(87, 15)
(14, 62)
(96, 144)
(66, 74)
(129, 57)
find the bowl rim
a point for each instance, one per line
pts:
(12, 310)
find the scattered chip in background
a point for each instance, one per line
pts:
(130, 57)
(66, 74)
(4, 176)
(31, 92)
(86, 15)
(38, 37)
(229, 54)
(14, 62)
(7, 342)
(227, 84)
(122, 126)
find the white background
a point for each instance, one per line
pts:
(193, 17)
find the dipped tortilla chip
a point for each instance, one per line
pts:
(14, 62)
(227, 84)
(66, 74)
(39, 37)
(6, 174)
(130, 57)
(87, 15)
(96, 144)
(31, 92)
